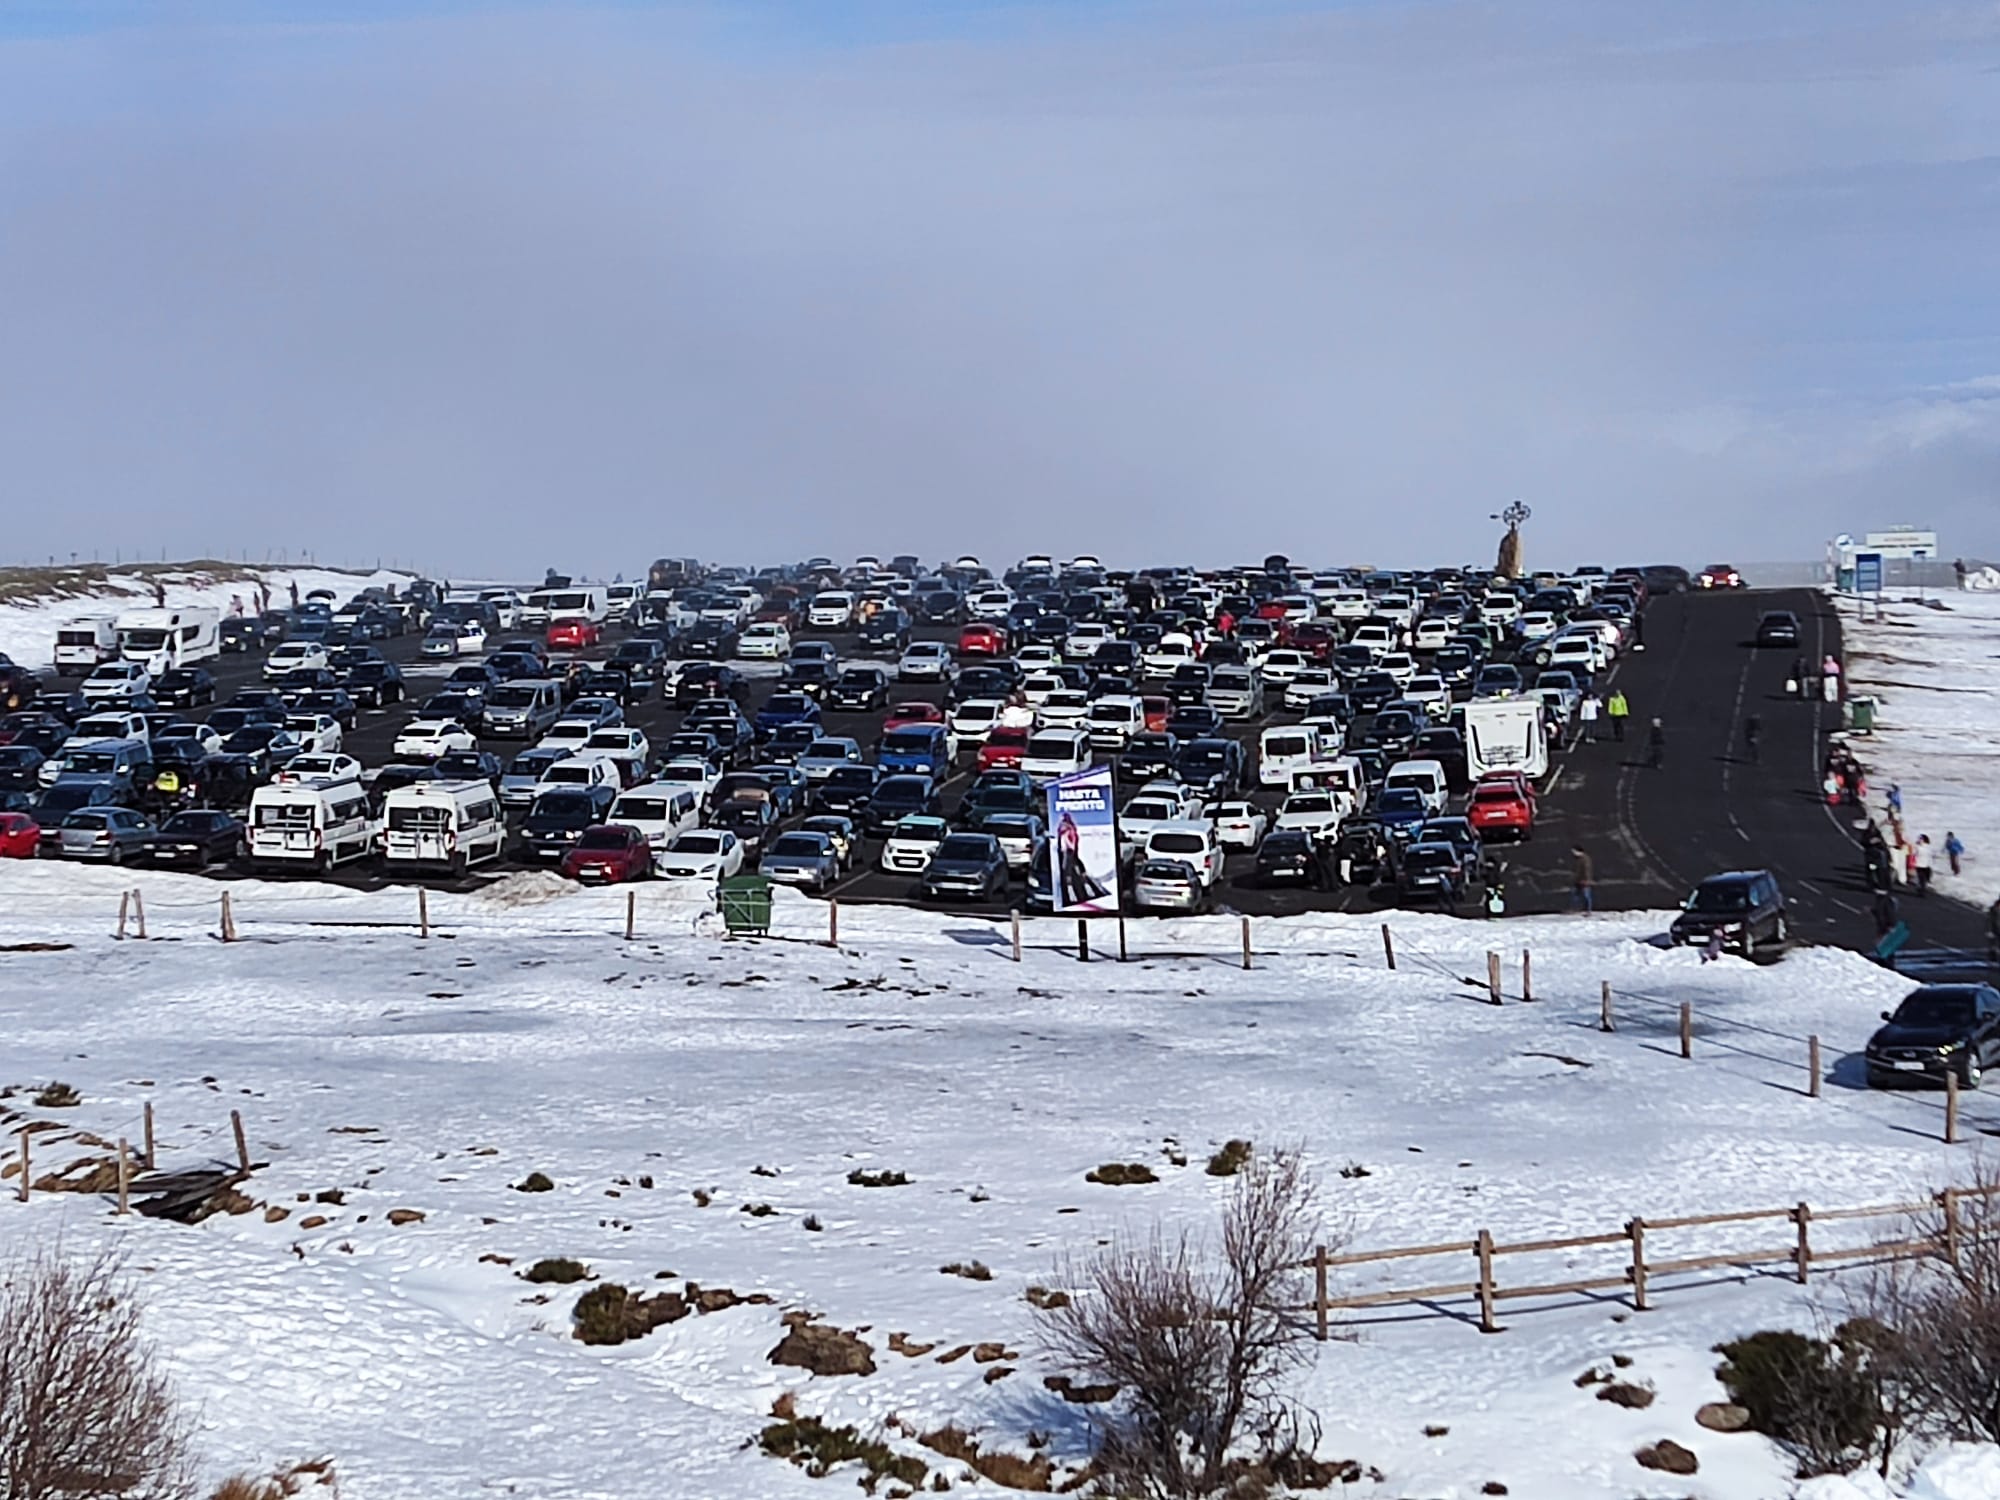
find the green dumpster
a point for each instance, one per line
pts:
(746, 904)
(1862, 712)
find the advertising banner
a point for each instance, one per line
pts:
(1083, 843)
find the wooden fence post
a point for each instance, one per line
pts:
(27, 1164)
(1604, 1009)
(1493, 978)
(228, 921)
(1319, 1294)
(1527, 975)
(832, 922)
(1246, 942)
(1812, 1066)
(1388, 946)
(1017, 934)
(1123, 955)
(124, 907)
(1082, 940)
(1949, 1201)
(1802, 1257)
(149, 1135)
(124, 1178)
(1950, 1107)
(242, 1143)
(631, 915)
(1484, 1247)
(1637, 1229)
(139, 912)
(423, 911)
(1687, 1028)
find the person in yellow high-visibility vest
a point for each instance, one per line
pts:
(1617, 710)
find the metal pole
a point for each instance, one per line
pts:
(124, 1178)
(1604, 1009)
(1687, 1028)
(1812, 1066)
(242, 1142)
(1388, 946)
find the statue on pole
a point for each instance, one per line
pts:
(1509, 564)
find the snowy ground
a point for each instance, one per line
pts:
(528, 1035)
(28, 629)
(1937, 674)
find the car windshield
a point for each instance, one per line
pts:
(698, 843)
(788, 703)
(963, 846)
(826, 750)
(908, 741)
(929, 830)
(1309, 802)
(1936, 1008)
(859, 778)
(641, 809)
(1428, 857)
(1402, 799)
(1201, 760)
(1720, 896)
(1164, 869)
(562, 805)
(1178, 843)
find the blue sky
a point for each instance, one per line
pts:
(1163, 281)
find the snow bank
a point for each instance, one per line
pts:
(28, 629)
(700, 1103)
(1937, 674)
(1959, 1471)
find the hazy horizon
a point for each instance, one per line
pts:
(497, 287)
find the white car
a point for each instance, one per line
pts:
(1113, 720)
(1084, 638)
(622, 743)
(974, 719)
(911, 843)
(1431, 634)
(284, 657)
(1152, 806)
(692, 772)
(830, 610)
(1037, 658)
(1037, 686)
(118, 679)
(319, 733)
(1065, 710)
(1172, 649)
(1582, 653)
(1193, 841)
(767, 640)
(990, 604)
(1284, 664)
(1313, 812)
(1240, 825)
(113, 725)
(1377, 637)
(1536, 626)
(662, 811)
(427, 739)
(567, 734)
(582, 771)
(203, 735)
(1054, 753)
(1500, 608)
(1346, 604)
(315, 769)
(1398, 664)
(926, 661)
(707, 854)
(1428, 689)
(1308, 685)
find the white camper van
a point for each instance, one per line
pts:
(442, 825)
(298, 825)
(162, 639)
(83, 645)
(1505, 734)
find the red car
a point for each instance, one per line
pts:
(1158, 710)
(1004, 748)
(981, 639)
(915, 712)
(609, 852)
(1316, 639)
(574, 634)
(1719, 576)
(1499, 807)
(20, 836)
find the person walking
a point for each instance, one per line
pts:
(1886, 914)
(1954, 851)
(1922, 858)
(1993, 932)
(1829, 678)
(1753, 730)
(1639, 630)
(1795, 685)
(1656, 745)
(1583, 881)
(1958, 567)
(1895, 800)
(1586, 713)
(1617, 710)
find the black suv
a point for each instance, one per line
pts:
(1939, 1028)
(1778, 627)
(1745, 906)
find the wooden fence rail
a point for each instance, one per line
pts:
(1642, 1260)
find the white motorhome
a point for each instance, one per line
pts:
(161, 639)
(442, 825)
(1505, 734)
(579, 602)
(84, 644)
(302, 826)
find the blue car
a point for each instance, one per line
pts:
(918, 749)
(783, 709)
(1401, 811)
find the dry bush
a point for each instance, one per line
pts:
(1201, 1337)
(287, 1483)
(85, 1412)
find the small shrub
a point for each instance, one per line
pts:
(535, 1182)
(1354, 1170)
(811, 1222)
(1005, 1469)
(859, 1178)
(1122, 1174)
(1813, 1398)
(561, 1271)
(971, 1270)
(1045, 1299)
(758, 1210)
(1231, 1159)
(57, 1096)
(819, 1449)
(610, 1314)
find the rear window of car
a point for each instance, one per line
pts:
(962, 846)
(1052, 747)
(1179, 843)
(803, 844)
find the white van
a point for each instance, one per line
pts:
(442, 825)
(1425, 776)
(1054, 753)
(1284, 749)
(300, 826)
(580, 602)
(662, 811)
(1187, 839)
(1505, 735)
(1114, 719)
(1342, 775)
(82, 645)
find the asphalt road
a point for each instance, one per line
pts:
(1652, 834)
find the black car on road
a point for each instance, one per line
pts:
(1778, 627)
(1746, 907)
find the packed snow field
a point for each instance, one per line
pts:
(699, 1103)
(1937, 673)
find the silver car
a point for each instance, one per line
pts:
(110, 834)
(805, 859)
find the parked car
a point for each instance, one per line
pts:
(706, 854)
(803, 859)
(607, 853)
(966, 865)
(1168, 885)
(1938, 1029)
(198, 837)
(110, 835)
(20, 836)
